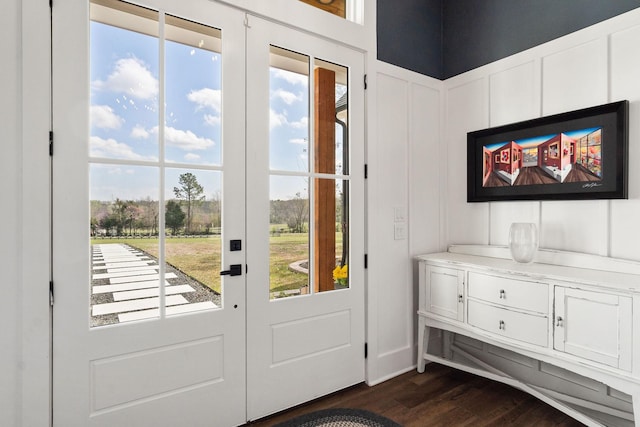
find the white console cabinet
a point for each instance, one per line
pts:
(561, 328)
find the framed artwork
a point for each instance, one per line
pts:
(549, 170)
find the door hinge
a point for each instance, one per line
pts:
(51, 143)
(366, 171)
(366, 350)
(365, 82)
(51, 292)
(366, 260)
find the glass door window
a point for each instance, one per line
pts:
(309, 178)
(154, 164)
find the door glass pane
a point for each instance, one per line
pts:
(192, 242)
(131, 93)
(125, 272)
(288, 111)
(299, 151)
(193, 92)
(288, 236)
(124, 82)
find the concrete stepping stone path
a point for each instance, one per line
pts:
(132, 278)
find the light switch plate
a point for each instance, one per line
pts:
(399, 214)
(400, 231)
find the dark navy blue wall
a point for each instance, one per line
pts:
(410, 34)
(469, 33)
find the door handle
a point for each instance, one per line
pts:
(234, 270)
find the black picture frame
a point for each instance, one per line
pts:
(578, 155)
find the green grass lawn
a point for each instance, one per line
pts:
(199, 257)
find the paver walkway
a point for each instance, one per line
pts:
(133, 285)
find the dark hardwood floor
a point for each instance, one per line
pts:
(442, 396)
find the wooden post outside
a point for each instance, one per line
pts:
(324, 189)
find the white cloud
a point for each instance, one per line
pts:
(103, 117)
(299, 141)
(139, 132)
(191, 157)
(185, 140)
(303, 123)
(286, 96)
(277, 119)
(280, 119)
(131, 76)
(211, 120)
(119, 171)
(206, 98)
(110, 148)
(291, 77)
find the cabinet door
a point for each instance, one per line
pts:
(593, 325)
(442, 292)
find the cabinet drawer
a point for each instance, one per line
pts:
(514, 293)
(529, 328)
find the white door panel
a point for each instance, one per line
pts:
(306, 343)
(171, 369)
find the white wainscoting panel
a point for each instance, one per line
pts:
(407, 172)
(466, 111)
(625, 84)
(575, 78)
(427, 170)
(579, 226)
(392, 276)
(514, 94)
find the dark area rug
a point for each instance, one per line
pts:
(339, 417)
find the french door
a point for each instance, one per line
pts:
(201, 261)
(305, 335)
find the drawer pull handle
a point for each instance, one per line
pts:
(502, 294)
(501, 325)
(460, 299)
(559, 321)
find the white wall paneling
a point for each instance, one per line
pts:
(625, 84)
(514, 95)
(575, 78)
(589, 67)
(10, 176)
(466, 111)
(404, 191)
(24, 247)
(393, 134)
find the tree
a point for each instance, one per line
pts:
(119, 216)
(174, 217)
(191, 193)
(132, 213)
(297, 213)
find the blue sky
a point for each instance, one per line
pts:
(124, 116)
